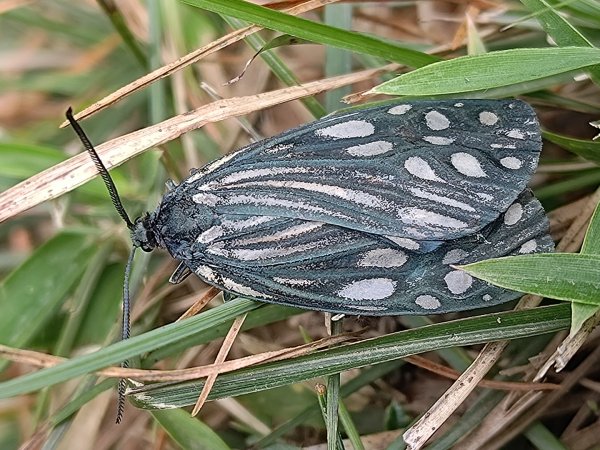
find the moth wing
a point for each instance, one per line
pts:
(326, 267)
(425, 170)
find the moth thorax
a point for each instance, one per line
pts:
(179, 223)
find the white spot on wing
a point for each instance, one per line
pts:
(516, 134)
(293, 281)
(206, 272)
(513, 214)
(458, 281)
(487, 297)
(454, 256)
(216, 164)
(349, 129)
(436, 121)
(257, 254)
(205, 198)
(369, 308)
(243, 290)
(369, 289)
(383, 257)
(421, 216)
(488, 118)
(193, 178)
(467, 165)
(428, 302)
(510, 162)
(406, 243)
(353, 195)
(250, 222)
(438, 140)
(279, 148)
(282, 235)
(258, 173)
(421, 169)
(440, 199)
(210, 235)
(370, 148)
(528, 247)
(459, 104)
(282, 203)
(399, 110)
(484, 196)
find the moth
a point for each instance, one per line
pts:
(361, 212)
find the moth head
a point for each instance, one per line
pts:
(143, 234)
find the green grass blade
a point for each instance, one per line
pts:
(188, 431)
(19, 161)
(491, 327)
(541, 437)
(337, 61)
(591, 243)
(491, 70)
(560, 30)
(125, 349)
(367, 376)
(564, 276)
(115, 15)
(34, 292)
(584, 179)
(581, 312)
(589, 150)
(314, 31)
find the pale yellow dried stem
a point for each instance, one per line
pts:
(74, 172)
(236, 326)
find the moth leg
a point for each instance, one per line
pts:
(180, 274)
(170, 184)
(228, 296)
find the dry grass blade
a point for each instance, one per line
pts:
(68, 175)
(220, 359)
(567, 349)
(41, 360)
(201, 303)
(513, 427)
(417, 435)
(452, 374)
(561, 218)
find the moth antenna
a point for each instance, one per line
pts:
(121, 401)
(110, 185)
(116, 200)
(125, 332)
